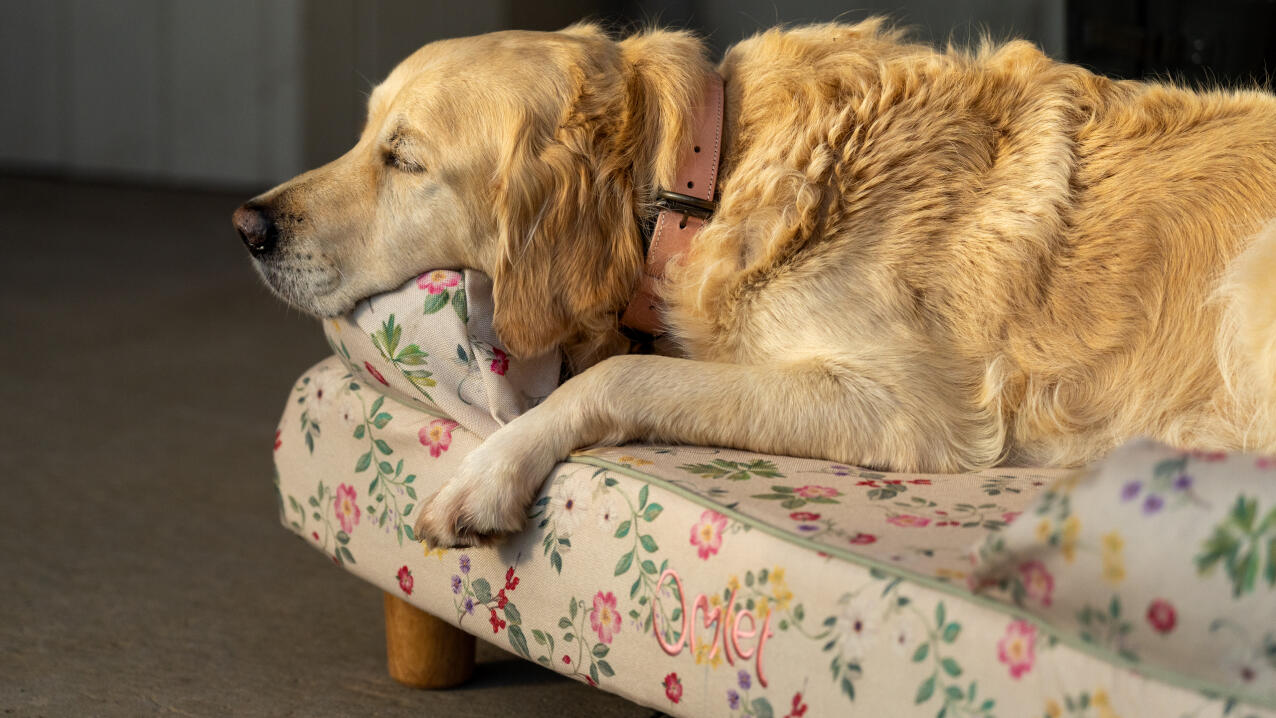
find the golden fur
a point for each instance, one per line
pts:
(922, 260)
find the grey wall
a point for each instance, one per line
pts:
(245, 93)
(170, 90)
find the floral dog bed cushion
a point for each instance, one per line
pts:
(703, 581)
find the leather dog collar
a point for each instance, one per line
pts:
(683, 210)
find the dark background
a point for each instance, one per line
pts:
(244, 93)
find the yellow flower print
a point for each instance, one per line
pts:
(764, 608)
(1053, 709)
(1068, 541)
(1113, 561)
(437, 552)
(782, 596)
(1114, 570)
(1113, 543)
(715, 600)
(1100, 701)
(733, 583)
(777, 574)
(1043, 530)
(1071, 529)
(633, 461)
(1069, 551)
(943, 572)
(702, 651)
(336, 325)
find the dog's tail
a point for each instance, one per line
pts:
(1246, 341)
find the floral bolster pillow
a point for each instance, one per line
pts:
(1162, 559)
(430, 344)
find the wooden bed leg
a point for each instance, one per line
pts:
(423, 651)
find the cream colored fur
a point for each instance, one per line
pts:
(922, 260)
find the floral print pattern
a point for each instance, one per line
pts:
(605, 618)
(346, 507)
(862, 606)
(438, 281)
(1152, 557)
(437, 436)
(441, 363)
(706, 535)
(1016, 648)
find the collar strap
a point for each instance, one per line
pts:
(683, 210)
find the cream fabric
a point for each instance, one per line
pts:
(858, 626)
(430, 345)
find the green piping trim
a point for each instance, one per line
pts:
(1158, 673)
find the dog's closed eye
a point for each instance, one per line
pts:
(394, 159)
(397, 152)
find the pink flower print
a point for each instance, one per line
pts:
(1037, 581)
(908, 521)
(707, 535)
(405, 580)
(605, 619)
(804, 516)
(500, 362)
(375, 374)
(1162, 616)
(437, 436)
(862, 539)
(1015, 649)
(346, 506)
(438, 281)
(673, 687)
(278, 442)
(812, 491)
(1265, 462)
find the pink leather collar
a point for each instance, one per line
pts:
(684, 209)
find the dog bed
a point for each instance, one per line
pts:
(703, 581)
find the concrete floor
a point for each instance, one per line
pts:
(144, 568)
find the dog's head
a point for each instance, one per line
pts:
(528, 156)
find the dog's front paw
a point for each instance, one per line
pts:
(487, 499)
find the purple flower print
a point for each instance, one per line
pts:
(1131, 489)
(733, 699)
(468, 605)
(808, 527)
(744, 679)
(1152, 504)
(456, 584)
(839, 470)
(465, 563)
(1183, 482)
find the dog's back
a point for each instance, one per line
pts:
(1076, 256)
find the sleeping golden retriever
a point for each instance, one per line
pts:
(920, 260)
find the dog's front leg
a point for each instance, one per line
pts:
(815, 408)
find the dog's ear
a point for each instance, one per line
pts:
(569, 246)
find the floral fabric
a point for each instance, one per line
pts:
(706, 582)
(430, 344)
(1162, 557)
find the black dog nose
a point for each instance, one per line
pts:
(255, 228)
